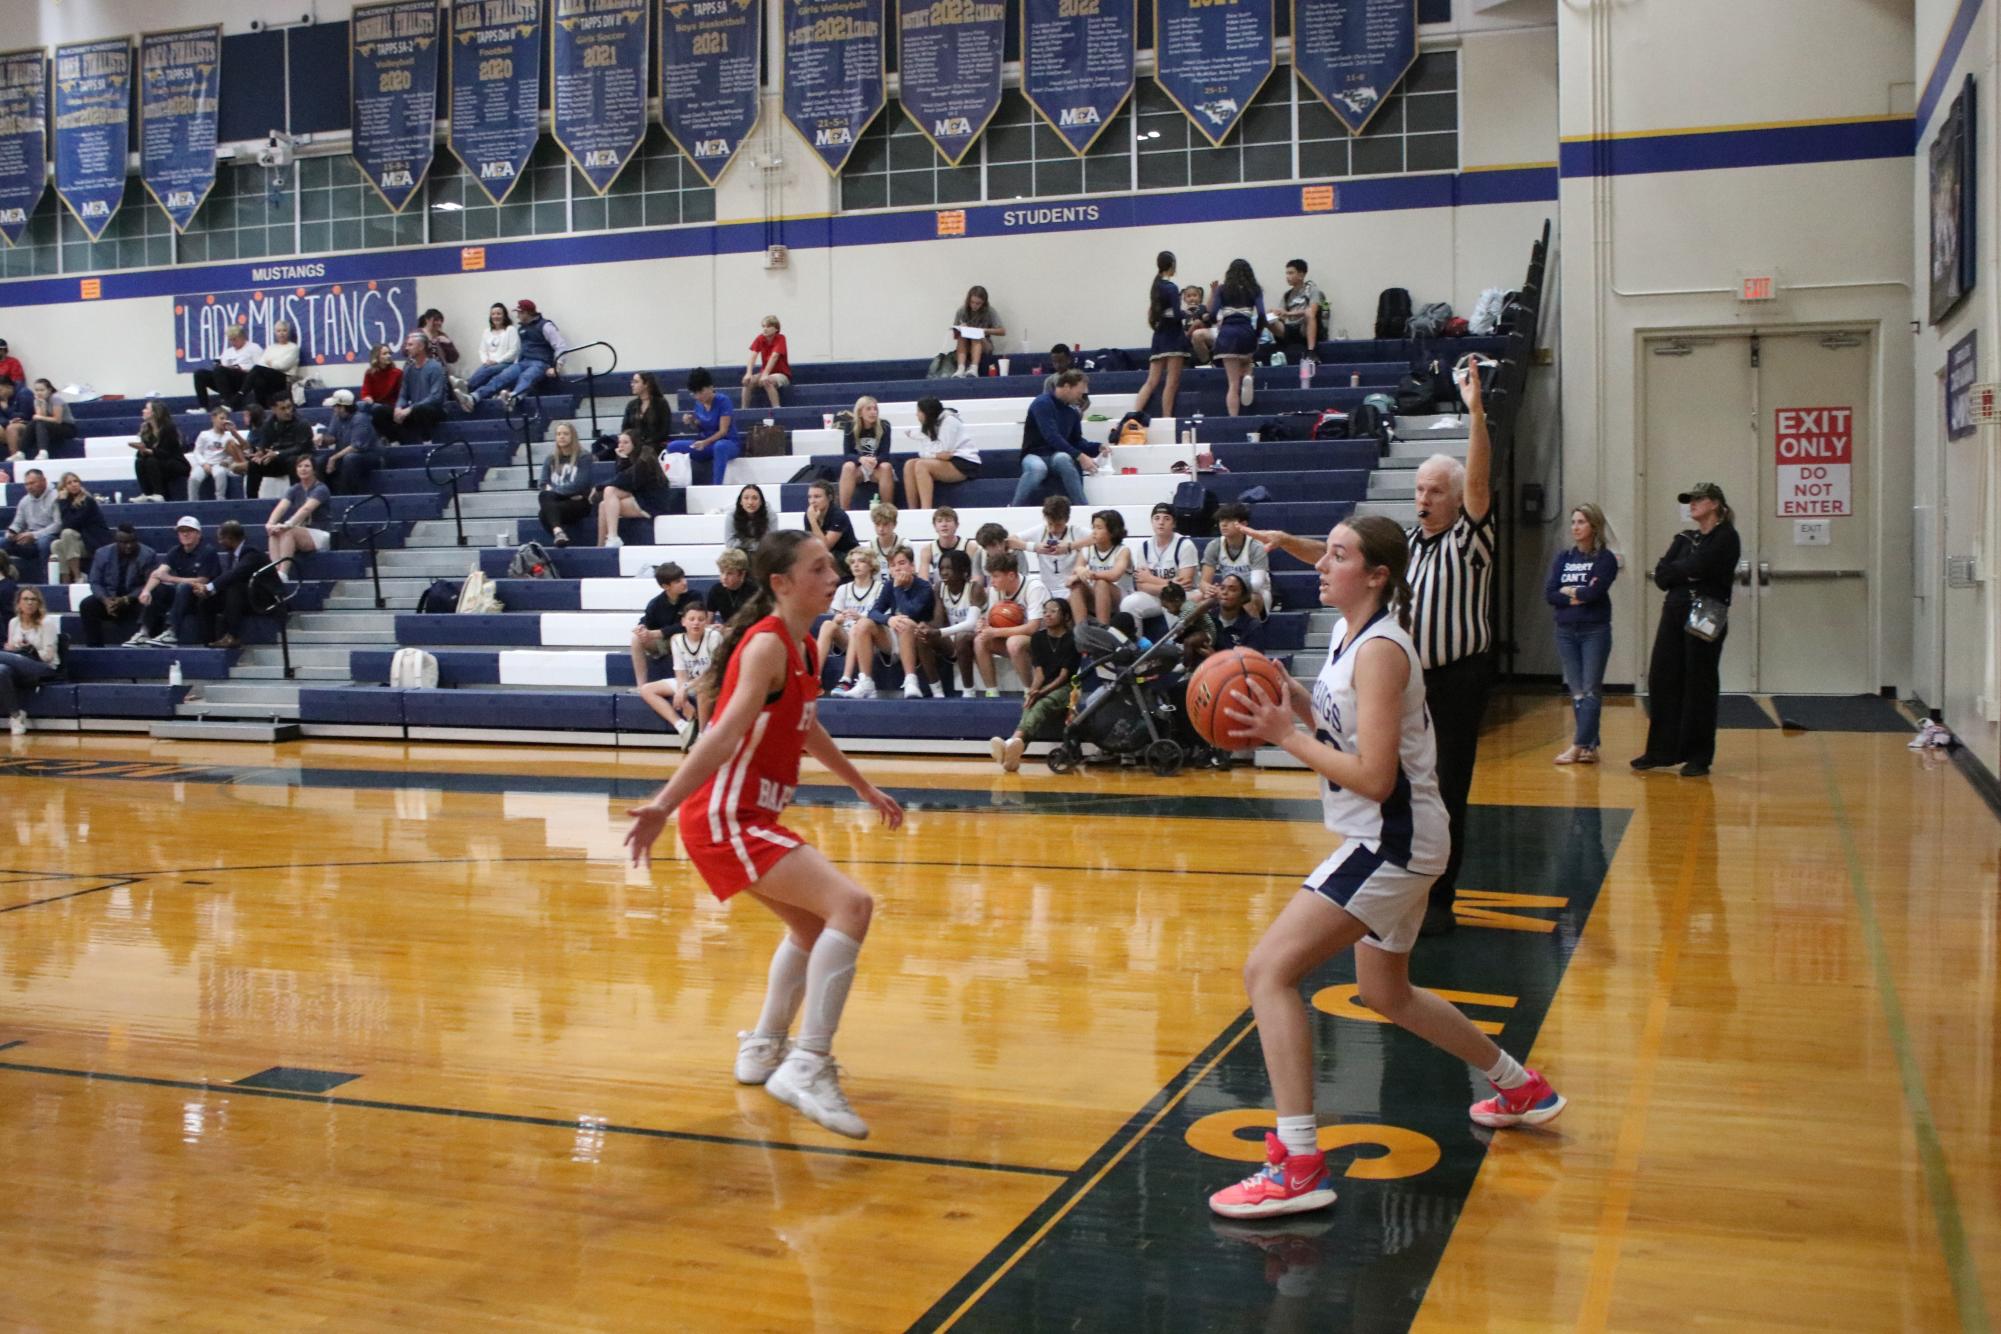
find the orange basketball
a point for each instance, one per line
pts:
(1224, 677)
(1006, 615)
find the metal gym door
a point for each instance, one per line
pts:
(1780, 422)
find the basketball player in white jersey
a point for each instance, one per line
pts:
(1372, 746)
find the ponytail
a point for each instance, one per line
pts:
(1156, 309)
(1383, 546)
(776, 554)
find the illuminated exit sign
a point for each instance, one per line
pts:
(1758, 287)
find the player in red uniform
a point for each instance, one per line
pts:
(729, 793)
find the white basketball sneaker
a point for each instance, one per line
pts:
(810, 1084)
(757, 1056)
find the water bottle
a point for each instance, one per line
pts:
(174, 672)
(1306, 369)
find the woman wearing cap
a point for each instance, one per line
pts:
(541, 344)
(1683, 678)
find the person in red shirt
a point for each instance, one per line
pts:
(728, 795)
(10, 365)
(383, 379)
(768, 368)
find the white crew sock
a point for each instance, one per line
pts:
(784, 991)
(1299, 1134)
(829, 973)
(1507, 1073)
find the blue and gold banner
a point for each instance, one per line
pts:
(180, 82)
(495, 90)
(710, 97)
(948, 56)
(393, 80)
(1077, 64)
(1211, 57)
(334, 323)
(93, 109)
(24, 139)
(834, 73)
(1353, 53)
(597, 57)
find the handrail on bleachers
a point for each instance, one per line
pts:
(268, 597)
(451, 478)
(591, 373)
(352, 530)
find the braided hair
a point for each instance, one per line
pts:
(1383, 546)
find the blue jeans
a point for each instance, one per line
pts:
(484, 376)
(1035, 469)
(716, 457)
(1583, 650)
(519, 378)
(16, 671)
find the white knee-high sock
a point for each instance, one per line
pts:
(1507, 1073)
(1299, 1134)
(787, 987)
(829, 974)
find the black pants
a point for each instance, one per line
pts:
(266, 385)
(414, 429)
(562, 511)
(176, 606)
(225, 382)
(96, 616)
(1684, 678)
(50, 434)
(157, 478)
(1457, 696)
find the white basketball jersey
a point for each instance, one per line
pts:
(1408, 828)
(1098, 562)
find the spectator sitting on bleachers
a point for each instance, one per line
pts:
(1053, 545)
(188, 570)
(989, 539)
(1237, 626)
(713, 421)
(1237, 306)
(647, 418)
(731, 589)
(1053, 662)
(420, 398)
(882, 517)
(1107, 576)
(238, 565)
(657, 622)
(1195, 319)
(901, 609)
(83, 527)
(291, 530)
(1301, 319)
(159, 456)
(969, 354)
(638, 475)
(1165, 558)
(225, 378)
(349, 451)
(52, 423)
(383, 379)
(444, 350)
(1052, 441)
(769, 369)
(865, 452)
(828, 521)
(749, 520)
(10, 580)
(565, 497)
(35, 526)
(945, 523)
(1171, 349)
(542, 345)
(220, 452)
(1237, 552)
(277, 367)
(17, 409)
(945, 453)
(277, 446)
(10, 366)
(117, 573)
(691, 651)
(30, 655)
(499, 348)
(851, 604)
(1006, 584)
(947, 643)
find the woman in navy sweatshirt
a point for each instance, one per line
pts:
(1579, 587)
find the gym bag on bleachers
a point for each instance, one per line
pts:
(1430, 321)
(413, 669)
(1392, 312)
(1195, 508)
(441, 598)
(476, 595)
(531, 561)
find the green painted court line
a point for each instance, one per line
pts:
(1931, 1153)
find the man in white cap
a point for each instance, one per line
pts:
(178, 588)
(348, 451)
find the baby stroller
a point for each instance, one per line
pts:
(1129, 720)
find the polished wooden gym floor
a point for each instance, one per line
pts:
(371, 1036)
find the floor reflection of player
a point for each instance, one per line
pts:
(729, 793)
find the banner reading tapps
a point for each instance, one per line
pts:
(393, 81)
(180, 82)
(834, 73)
(496, 90)
(93, 98)
(948, 57)
(709, 94)
(597, 58)
(24, 139)
(1077, 64)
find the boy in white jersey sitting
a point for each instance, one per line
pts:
(693, 651)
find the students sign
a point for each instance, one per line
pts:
(1815, 453)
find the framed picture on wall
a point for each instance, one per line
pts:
(1953, 195)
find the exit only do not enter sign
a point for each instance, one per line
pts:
(1814, 453)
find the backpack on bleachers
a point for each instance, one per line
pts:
(531, 561)
(1370, 422)
(942, 367)
(1416, 394)
(1106, 359)
(441, 598)
(1290, 426)
(1195, 508)
(476, 595)
(1331, 424)
(1486, 311)
(1430, 321)
(1392, 312)
(413, 669)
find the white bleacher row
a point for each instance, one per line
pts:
(775, 469)
(1111, 487)
(570, 667)
(103, 473)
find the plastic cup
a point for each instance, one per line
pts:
(827, 420)
(1005, 362)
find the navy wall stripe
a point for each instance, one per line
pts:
(1770, 146)
(1948, 59)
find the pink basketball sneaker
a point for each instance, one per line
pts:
(1288, 1184)
(1533, 1104)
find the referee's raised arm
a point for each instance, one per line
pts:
(1479, 450)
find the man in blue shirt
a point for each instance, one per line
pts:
(117, 572)
(1053, 441)
(189, 571)
(902, 608)
(714, 424)
(420, 401)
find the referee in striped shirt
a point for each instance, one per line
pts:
(1452, 581)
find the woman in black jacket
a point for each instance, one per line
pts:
(637, 481)
(647, 417)
(162, 460)
(1683, 679)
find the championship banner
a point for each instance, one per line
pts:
(834, 73)
(393, 80)
(1353, 53)
(180, 82)
(948, 55)
(24, 139)
(335, 323)
(597, 56)
(495, 90)
(710, 97)
(93, 103)
(1211, 57)
(1077, 64)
